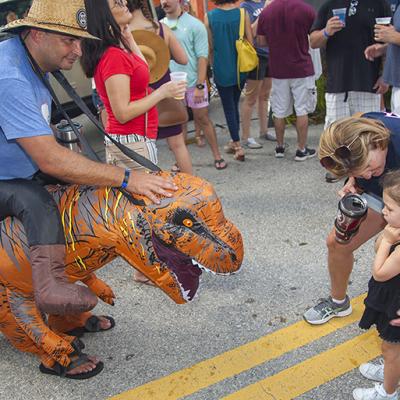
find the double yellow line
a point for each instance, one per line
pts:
(285, 385)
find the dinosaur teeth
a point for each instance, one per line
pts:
(202, 267)
(185, 294)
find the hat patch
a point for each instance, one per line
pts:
(81, 18)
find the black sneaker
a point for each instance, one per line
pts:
(279, 151)
(305, 154)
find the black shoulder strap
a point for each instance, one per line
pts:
(85, 109)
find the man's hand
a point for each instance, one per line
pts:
(380, 86)
(374, 51)
(198, 95)
(333, 25)
(150, 186)
(349, 187)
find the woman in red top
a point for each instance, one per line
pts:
(122, 77)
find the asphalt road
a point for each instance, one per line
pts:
(284, 210)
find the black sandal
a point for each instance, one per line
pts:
(91, 325)
(217, 164)
(77, 358)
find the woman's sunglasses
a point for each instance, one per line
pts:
(343, 153)
(119, 3)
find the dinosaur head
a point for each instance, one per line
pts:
(190, 234)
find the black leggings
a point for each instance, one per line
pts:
(31, 203)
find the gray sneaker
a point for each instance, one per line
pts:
(327, 309)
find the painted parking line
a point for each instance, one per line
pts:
(315, 371)
(233, 362)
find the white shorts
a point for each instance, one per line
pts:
(395, 100)
(299, 93)
(337, 108)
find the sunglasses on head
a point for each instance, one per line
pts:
(342, 152)
(119, 3)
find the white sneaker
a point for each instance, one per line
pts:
(251, 143)
(372, 371)
(375, 393)
(268, 136)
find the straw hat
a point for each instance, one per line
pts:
(155, 52)
(60, 16)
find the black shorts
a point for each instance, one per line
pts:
(261, 72)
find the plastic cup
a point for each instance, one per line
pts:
(383, 20)
(177, 77)
(341, 13)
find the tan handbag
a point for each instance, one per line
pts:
(171, 112)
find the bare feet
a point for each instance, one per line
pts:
(141, 278)
(105, 323)
(86, 367)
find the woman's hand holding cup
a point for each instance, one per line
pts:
(175, 89)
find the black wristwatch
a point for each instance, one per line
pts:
(200, 86)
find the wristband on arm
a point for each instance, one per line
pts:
(126, 178)
(326, 34)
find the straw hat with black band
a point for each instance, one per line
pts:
(155, 51)
(59, 16)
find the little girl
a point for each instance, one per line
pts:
(383, 299)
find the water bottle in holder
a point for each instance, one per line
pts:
(352, 210)
(66, 136)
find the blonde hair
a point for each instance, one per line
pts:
(391, 185)
(363, 134)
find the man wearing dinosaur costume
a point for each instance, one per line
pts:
(49, 36)
(171, 243)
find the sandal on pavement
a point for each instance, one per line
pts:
(229, 148)
(200, 140)
(91, 325)
(77, 358)
(239, 152)
(220, 164)
(62, 372)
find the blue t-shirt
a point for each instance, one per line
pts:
(391, 71)
(392, 122)
(254, 9)
(24, 110)
(192, 35)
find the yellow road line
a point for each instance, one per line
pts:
(209, 372)
(316, 371)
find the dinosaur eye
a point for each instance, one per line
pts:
(188, 222)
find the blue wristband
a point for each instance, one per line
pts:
(126, 178)
(326, 34)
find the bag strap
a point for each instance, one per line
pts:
(241, 34)
(85, 109)
(241, 26)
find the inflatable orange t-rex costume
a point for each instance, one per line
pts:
(170, 243)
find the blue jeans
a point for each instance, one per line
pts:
(230, 96)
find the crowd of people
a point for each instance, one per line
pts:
(117, 41)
